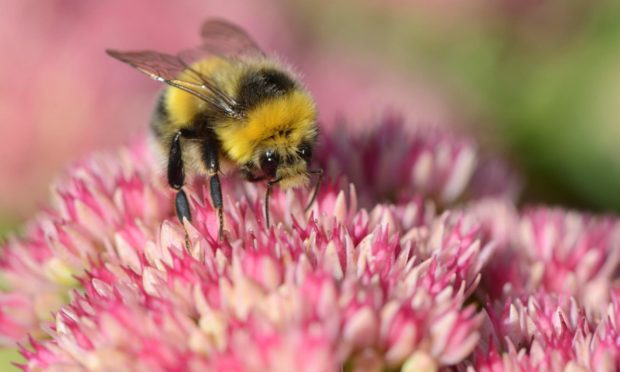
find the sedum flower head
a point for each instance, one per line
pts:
(102, 201)
(549, 249)
(387, 270)
(310, 296)
(572, 253)
(552, 290)
(107, 279)
(548, 332)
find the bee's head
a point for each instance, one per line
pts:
(287, 165)
(274, 140)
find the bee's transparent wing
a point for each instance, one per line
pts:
(167, 68)
(220, 37)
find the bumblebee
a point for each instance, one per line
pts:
(229, 105)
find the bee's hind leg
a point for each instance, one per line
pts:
(176, 177)
(176, 180)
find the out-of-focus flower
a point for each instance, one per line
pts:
(555, 250)
(551, 290)
(395, 162)
(499, 221)
(104, 202)
(571, 253)
(549, 332)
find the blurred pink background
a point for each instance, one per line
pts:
(61, 96)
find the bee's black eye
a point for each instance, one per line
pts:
(305, 152)
(269, 162)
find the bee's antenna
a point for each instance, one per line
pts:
(267, 194)
(316, 188)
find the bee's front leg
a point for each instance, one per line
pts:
(176, 177)
(210, 155)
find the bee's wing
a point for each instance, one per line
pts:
(220, 37)
(167, 68)
(223, 39)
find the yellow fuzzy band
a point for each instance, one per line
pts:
(281, 122)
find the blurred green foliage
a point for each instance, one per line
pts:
(7, 226)
(541, 79)
(7, 358)
(545, 103)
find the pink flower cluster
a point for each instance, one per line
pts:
(392, 162)
(551, 292)
(548, 332)
(404, 262)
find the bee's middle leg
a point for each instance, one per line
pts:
(210, 154)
